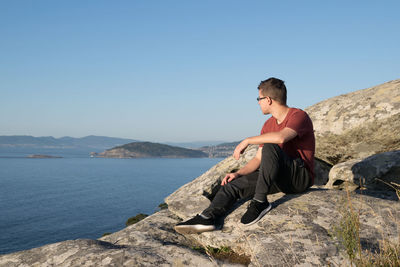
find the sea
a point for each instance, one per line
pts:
(47, 200)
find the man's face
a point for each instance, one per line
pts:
(263, 102)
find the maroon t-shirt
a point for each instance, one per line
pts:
(303, 145)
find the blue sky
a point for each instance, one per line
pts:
(182, 70)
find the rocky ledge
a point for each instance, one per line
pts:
(296, 232)
(299, 230)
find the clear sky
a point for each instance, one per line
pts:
(182, 70)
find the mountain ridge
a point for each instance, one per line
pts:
(62, 142)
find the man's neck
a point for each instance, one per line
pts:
(280, 112)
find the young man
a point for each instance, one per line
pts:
(284, 162)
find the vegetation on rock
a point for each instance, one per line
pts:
(136, 219)
(347, 232)
(225, 254)
(163, 206)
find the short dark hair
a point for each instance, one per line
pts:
(275, 89)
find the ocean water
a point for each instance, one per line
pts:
(44, 201)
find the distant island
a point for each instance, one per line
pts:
(30, 145)
(43, 157)
(220, 151)
(149, 150)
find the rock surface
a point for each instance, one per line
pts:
(296, 232)
(358, 124)
(150, 242)
(365, 172)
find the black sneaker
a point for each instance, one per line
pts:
(255, 211)
(195, 225)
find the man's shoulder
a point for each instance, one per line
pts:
(298, 112)
(269, 120)
(295, 110)
(300, 118)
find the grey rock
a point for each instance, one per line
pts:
(358, 124)
(151, 242)
(366, 172)
(296, 232)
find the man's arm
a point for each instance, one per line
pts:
(280, 137)
(250, 167)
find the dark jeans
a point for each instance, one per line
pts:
(277, 173)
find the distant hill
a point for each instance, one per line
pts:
(150, 150)
(220, 151)
(193, 145)
(92, 142)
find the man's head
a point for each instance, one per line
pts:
(275, 89)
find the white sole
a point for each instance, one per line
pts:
(261, 215)
(194, 229)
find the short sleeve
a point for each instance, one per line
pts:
(299, 122)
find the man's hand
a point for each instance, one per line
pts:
(240, 148)
(229, 177)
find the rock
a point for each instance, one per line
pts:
(296, 232)
(365, 172)
(358, 124)
(151, 242)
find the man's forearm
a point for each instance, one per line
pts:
(280, 137)
(273, 138)
(250, 167)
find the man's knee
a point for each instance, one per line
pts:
(236, 187)
(228, 190)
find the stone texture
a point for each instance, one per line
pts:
(295, 232)
(365, 172)
(358, 124)
(151, 242)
